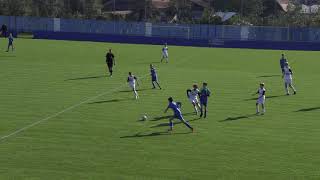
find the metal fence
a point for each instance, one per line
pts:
(183, 31)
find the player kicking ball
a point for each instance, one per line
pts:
(193, 98)
(261, 99)
(204, 95)
(10, 43)
(165, 53)
(177, 114)
(287, 75)
(154, 77)
(132, 81)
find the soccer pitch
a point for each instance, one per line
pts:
(70, 121)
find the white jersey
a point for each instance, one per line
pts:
(193, 95)
(165, 51)
(132, 81)
(287, 72)
(262, 96)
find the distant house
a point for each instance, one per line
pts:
(283, 4)
(307, 6)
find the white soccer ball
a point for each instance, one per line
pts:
(144, 117)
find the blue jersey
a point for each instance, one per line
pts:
(282, 62)
(204, 94)
(175, 108)
(10, 40)
(153, 73)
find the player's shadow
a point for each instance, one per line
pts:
(110, 101)
(268, 97)
(238, 118)
(85, 78)
(7, 56)
(160, 133)
(268, 76)
(174, 123)
(139, 90)
(155, 62)
(169, 116)
(308, 109)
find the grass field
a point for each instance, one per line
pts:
(97, 133)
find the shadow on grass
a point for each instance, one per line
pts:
(110, 101)
(268, 97)
(239, 117)
(85, 78)
(139, 90)
(269, 76)
(174, 123)
(169, 116)
(7, 56)
(308, 109)
(160, 133)
(155, 62)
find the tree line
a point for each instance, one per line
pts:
(249, 12)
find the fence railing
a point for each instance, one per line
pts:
(183, 31)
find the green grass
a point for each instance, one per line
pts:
(103, 139)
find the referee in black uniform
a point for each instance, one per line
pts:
(110, 61)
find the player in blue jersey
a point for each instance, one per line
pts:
(165, 53)
(10, 43)
(154, 77)
(283, 61)
(204, 94)
(177, 114)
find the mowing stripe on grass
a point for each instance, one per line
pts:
(2, 138)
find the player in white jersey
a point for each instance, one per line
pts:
(132, 81)
(165, 53)
(287, 76)
(261, 98)
(193, 97)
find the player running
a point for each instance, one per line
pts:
(165, 53)
(154, 77)
(10, 43)
(261, 99)
(287, 75)
(204, 95)
(132, 81)
(110, 61)
(193, 98)
(177, 114)
(283, 60)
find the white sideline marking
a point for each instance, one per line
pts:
(2, 138)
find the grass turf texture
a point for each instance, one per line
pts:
(103, 139)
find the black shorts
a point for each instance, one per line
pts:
(109, 65)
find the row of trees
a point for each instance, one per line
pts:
(255, 12)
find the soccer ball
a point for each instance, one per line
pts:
(144, 117)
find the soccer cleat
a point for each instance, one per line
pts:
(295, 93)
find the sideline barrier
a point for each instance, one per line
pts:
(117, 38)
(277, 45)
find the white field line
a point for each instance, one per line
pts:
(2, 138)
